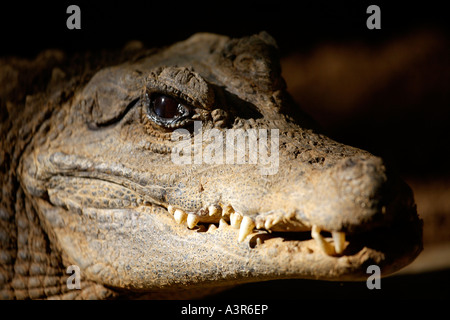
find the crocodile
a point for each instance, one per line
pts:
(89, 178)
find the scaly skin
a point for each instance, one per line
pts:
(88, 179)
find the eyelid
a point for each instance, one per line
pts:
(182, 83)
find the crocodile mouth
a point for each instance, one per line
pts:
(397, 243)
(392, 244)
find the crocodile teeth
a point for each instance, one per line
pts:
(213, 210)
(246, 228)
(270, 222)
(339, 241)
(180, 216)
(235, 220)
(259, 224)
(227, 210)
(212, 227)
(192, 220)
(324, 245)
(246, 225)
(171, 209)
(222, 223)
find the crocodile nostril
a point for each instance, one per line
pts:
(349, 163)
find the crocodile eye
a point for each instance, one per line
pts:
(166, 107)
(165, 110)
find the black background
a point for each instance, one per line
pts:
(28, 28)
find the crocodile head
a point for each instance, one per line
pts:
(191, 167)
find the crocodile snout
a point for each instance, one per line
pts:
(355, 186)
(354, 195)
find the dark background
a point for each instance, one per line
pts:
(415, 142)
(27, 28)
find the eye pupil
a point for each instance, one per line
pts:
(165, 107)
(165, 110)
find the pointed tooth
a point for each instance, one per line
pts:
(222, 223)
(211, 227)
(180, 216)
(339, 241)
(192, 220)
(258, 241)
(246, 228)
(213, 210)
(324, 245)
(259, 224)
(235, 220)
(227, 210)
(269, 223)
(171, 209)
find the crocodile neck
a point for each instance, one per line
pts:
(32, 266)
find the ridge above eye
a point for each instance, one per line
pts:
(182, 83)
